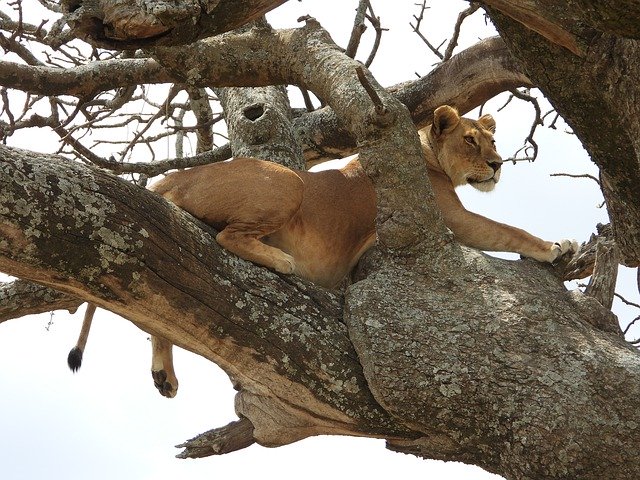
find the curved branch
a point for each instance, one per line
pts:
(128, 25)
(466, 81)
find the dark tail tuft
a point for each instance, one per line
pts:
(74, 360)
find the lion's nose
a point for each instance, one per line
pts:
(495, 165)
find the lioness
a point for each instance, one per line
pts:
(317, 225)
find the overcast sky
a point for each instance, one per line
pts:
(109, 422)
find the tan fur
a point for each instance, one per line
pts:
(317, 225)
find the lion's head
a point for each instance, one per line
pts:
(465, 148)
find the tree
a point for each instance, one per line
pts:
(425, 348)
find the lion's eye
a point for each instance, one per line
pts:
(470, 140)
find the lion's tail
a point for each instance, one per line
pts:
(74, 360)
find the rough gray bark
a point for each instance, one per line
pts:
(259, 122)
(448, 354)
(266, 331)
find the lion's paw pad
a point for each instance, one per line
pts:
(165, 387)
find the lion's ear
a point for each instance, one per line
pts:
(488, 123)
(445, 119)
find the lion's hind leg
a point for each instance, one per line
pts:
(164, 377)
(244, 241)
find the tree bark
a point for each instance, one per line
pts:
(260, 124)
(19, 298)
(444, 351)
(130, 24)
(253, 323)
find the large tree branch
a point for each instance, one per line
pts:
(284, 344)
(267, 332)
(83, 81)
(556, 21)
(20, 297)
(129, 24)
(487, 361)
(467, 80)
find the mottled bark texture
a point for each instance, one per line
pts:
(131, 24)
(444, 351)
(596, 91)
(19, 298)
(138, 256)
(259, 122)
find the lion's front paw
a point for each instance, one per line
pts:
(562, 248)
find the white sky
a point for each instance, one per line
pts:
(109, 422)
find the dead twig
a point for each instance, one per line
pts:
(573, 175)
(453, 43)
(375, 23)
(375, 98)
(358, 29)
(416, 28)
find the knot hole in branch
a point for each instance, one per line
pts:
(254, 112)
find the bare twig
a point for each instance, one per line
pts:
(534, 125)
(416, 28)
(627, 302)
(156, 168)
(572, 175)
(375, 22)
(631, 324)
(453, 43)
(358, 29)
(307, 99)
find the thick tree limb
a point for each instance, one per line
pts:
(259, 123)
(465, 81)
(247, 321)
(556, 20)
(20, 297)
(129, 24)
(84, 81)
(480, 72)
(486, 361)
